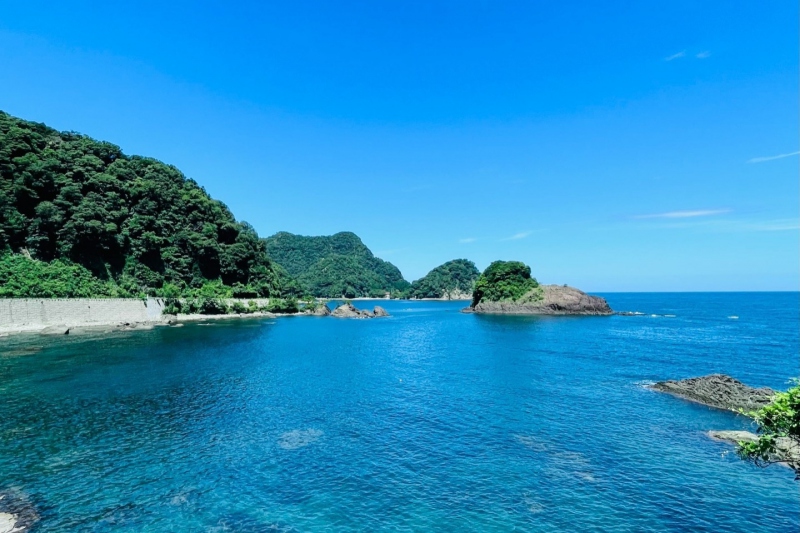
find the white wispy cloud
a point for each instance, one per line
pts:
(787, 224)
(772, 157)
(703, 55)
(467, 240)
(517, 236)
(686, 214)
(676, 56)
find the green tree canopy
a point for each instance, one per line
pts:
(334, 266)
(132, 221)
(456, 275)
(778, 427)
(504, 280)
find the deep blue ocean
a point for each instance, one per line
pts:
(430, 420)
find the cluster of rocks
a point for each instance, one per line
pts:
(724, 392)
(547, 300)
(348, 310)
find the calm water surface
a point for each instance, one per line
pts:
(430, 420)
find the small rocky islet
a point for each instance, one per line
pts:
(507, 288)
(547, 300)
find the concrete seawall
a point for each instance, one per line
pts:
(28, 314)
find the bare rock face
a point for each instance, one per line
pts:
(548, 300)
(457, 294)
(347, 310)
(379, 311)
(718, 390)
(321, 310)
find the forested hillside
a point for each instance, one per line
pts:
(453, 279)
(336, 266)
(80, 218)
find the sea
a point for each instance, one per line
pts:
(429, 420)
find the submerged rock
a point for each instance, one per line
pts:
(299, 438)
(718, 390)
(547, 300)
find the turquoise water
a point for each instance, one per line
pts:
(431, 420)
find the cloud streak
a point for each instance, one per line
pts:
(703, 55)
(776, 225)
(686, 214)
(467, 240)
(772, 157)
(517, 236)
(676, 56)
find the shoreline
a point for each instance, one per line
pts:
(64, 316)
(116, 326)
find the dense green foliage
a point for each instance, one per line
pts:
(456, 275)
(504, 280)
(779, 419)
(20, 276)
(136, 224)
(336, 266)
(206, 305)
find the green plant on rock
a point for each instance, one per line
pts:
(777, 421)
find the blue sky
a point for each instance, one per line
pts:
(614, 146)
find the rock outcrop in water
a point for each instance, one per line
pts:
(718, 390)
(321, 309)
(348, 310)
(786, 450)
(17, 513)
(547, 300)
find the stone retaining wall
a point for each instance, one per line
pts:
(33, 312)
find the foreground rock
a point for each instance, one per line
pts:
(55, 330)
(547, 300)
(787, 451)
(718, 390)
(348, 310)
(17, 513)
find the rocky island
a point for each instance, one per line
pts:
(507, 288)
(718, 390)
